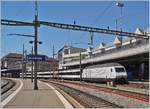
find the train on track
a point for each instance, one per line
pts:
(94, 73)
(105, 72)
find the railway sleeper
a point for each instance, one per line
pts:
(86, 99)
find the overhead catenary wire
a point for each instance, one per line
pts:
(100, 16)
(102, 13)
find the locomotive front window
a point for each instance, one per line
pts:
(111, 70)
(119, 69)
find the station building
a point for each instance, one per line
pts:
(69, 53)
(11, 65)
(132, 53)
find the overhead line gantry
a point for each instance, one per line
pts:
(73, 27)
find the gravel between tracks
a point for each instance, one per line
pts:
(88, 101)
(118, 100)
(120, 87)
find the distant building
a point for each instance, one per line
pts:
(70, 53)
(14, 61)
(49, 64)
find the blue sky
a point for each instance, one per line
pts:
(89, 13)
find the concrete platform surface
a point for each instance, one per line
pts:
(45, 97)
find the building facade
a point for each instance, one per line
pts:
(70, 53)
(14, 61)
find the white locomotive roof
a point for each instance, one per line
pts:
(104, 65)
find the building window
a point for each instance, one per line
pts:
(66, 51)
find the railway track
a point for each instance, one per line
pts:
(137, 85)
(85, 99)
(7, 86)
(129, 94)
(4, 83)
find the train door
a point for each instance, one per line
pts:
(112, 72)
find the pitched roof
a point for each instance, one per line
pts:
(89, 49)
(102, 45)
(13, 55)
(138, 31)
(117, 40)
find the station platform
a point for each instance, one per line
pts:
(45, 97)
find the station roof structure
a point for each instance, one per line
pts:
(117, 41)
(102, 46)
(139, 31)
